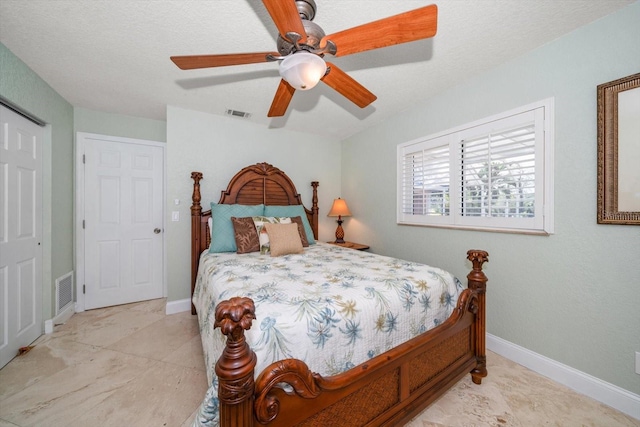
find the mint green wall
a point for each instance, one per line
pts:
(219, 147)
(91, 121)
(20, 85)
(572, 296)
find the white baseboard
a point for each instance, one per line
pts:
(48, 326)
(178, 306)
(59, 319)
(79, 308)
(602, 391)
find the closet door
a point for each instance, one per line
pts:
(20, 233)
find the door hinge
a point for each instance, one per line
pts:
(84, 159)
(84, 289)
(83, 224)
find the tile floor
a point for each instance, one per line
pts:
(132, 365)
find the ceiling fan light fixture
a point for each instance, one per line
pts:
(302, 70)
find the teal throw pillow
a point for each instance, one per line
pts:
(222, 234)
(292, 211)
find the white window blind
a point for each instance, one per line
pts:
(426, 173)
(498, 174)
(494, 174)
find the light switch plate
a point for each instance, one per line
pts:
(175, 216)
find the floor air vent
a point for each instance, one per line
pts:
(64, 292)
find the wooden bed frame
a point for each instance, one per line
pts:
(388, 390)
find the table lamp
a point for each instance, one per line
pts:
(339, 209)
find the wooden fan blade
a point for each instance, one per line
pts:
(281, 100)
(285, 15)
(406, 27)
(207, 61)
(348, 87)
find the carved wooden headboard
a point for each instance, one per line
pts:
(261, 183)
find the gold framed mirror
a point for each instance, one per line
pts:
(619, 151)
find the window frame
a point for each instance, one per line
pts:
(541, 115)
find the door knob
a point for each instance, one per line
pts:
(157, 230)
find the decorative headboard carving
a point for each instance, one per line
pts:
(261, 183)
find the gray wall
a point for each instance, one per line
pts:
(572, 296)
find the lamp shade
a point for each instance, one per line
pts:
(302, 70)
(339, 208)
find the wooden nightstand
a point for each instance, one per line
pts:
(351, 245)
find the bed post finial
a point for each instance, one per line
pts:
(196, 197)
(235, 367)
(477, 281)
(477, 258)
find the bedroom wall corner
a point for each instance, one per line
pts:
(219, 146)
(91, 121)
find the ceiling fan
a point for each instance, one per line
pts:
(302, 45)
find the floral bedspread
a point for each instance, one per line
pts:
(331, 307)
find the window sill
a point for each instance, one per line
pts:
(486, 229)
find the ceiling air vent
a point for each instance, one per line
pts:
(237, 113)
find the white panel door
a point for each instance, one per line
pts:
(123, 205)
(20, 233)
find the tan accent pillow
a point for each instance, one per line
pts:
(303, 234)
(263, 237)
(284, 239)
(246, 236)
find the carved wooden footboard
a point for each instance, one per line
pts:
(389, 389)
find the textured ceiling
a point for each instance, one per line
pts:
(113, 56)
